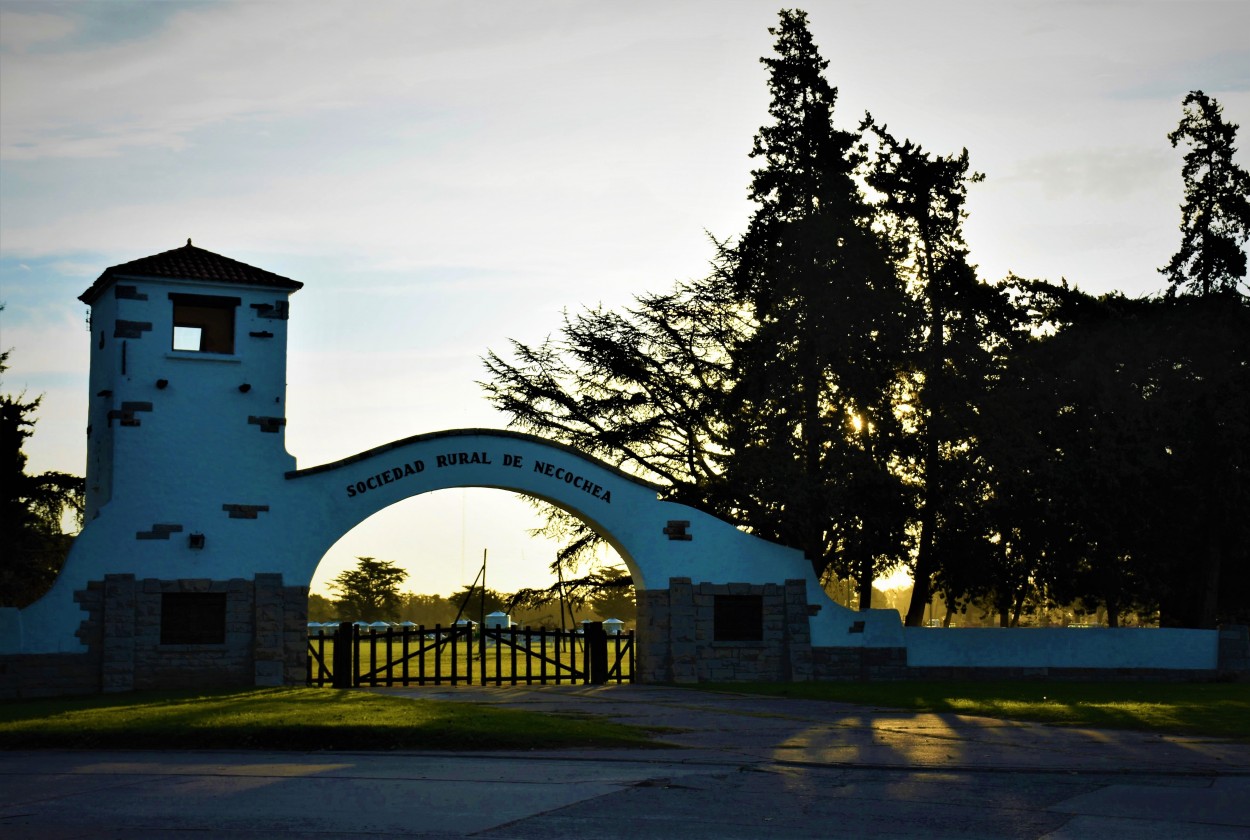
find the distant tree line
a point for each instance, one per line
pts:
(843, 382)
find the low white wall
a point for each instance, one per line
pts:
(1061, 647)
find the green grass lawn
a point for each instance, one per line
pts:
(295, 719)
(1210, 709)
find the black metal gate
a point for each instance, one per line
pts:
(350, 656)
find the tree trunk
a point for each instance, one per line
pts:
(1209, 615)
(865, 584)
(922, 576)
(926, 563)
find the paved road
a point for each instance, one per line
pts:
(739, 767)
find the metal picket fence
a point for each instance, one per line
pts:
(349, 655)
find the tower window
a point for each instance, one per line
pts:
(203, 323)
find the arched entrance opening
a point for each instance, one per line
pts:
(441, 538)
(462, 612)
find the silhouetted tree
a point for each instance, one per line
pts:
(962, 324)
(427, 609)
(321, 608)
(1117, 451)
(32, 508)
(640, 389)
(812, 409)
(615, 597)
(1215, 217)
(369, 592)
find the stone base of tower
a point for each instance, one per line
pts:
(724, 632)
(168, 634)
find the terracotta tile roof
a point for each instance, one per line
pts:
(190, 263)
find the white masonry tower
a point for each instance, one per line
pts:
(188, 372)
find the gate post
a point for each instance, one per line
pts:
(344, 656)
(596, 640)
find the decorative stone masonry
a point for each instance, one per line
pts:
(130, 329)
(245, 511)
(126, 414)
(122, 292)
(279, 310)
(676, 530)
(160, 531)
(682, 640)
(268, 424)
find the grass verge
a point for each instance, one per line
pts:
(1206, 709)
(294, 719)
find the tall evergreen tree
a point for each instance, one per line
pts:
(1215, 216)
(960, 324)
(814, 426)
(1210, 264)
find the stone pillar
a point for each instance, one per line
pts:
(651, 658)
(295, 635)
(798, 635)
(682, 631)
(268, 656)
(117, 666)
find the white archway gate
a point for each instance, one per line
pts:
(202, 534)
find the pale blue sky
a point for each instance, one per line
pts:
(445, 175)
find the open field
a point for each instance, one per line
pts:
(1212, 709)
(296, 719)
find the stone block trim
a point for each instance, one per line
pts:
(125, 418)
(279, 310)
(126, 414)
(245, 511)
(160, 531)
(676, 530)
(268, 424)
(261, 334)
(128, 293)
(130, 329)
